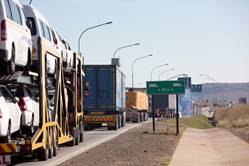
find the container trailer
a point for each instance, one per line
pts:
(136, 106)
(104, 101)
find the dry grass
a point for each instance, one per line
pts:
(233, 117)
(198, 122)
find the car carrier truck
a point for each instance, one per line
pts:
(104, 102)
(60, 107)
(136, 106)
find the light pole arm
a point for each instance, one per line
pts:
(87, 30)
(132, 67)
(159, 77)
(151, 74)
(185, 75)
(120, 48)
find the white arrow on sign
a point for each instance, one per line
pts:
(177, 85)
(153, 85)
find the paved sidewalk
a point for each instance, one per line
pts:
(210, 147)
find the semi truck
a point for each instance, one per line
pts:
(60, 106)
(136, 106)
(104, 102)
(164, 105)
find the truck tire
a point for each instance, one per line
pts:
(81, 131)
(123, 120)
(77, 138)
(145, 116)
(119, 121)
(55, 146)
(88, 127)
(72, 143)
(51, 147)
(116, 124)
(141, 116)
(43, 154)
(135, 119)
(138, 117)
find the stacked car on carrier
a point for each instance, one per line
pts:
(40, 84)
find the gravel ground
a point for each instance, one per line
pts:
(136, 147)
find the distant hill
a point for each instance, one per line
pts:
(223, 92)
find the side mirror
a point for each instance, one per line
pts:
(37, 99)
(16, 99)
(87, 88)
(29, 24)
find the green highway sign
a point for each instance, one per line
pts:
(165, 87)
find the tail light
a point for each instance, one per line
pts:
(3, 30)
(22, 105)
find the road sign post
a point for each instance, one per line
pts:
(166, 87)
(153, 114)
(177, 115)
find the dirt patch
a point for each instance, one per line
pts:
(136, 147)
(242, 133)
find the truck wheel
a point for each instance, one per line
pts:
(142, 116)
(81, 131)
(51, 146)
(110, 127)
(116, 123)
(119, 121)
(137, 118)
(72, 143)
(55, 146)
(43, 154)
(77, 138)
(88, 127)
(122, 120)
(145, 116)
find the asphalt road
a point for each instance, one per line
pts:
(91, 139)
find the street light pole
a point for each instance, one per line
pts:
(159, 77)
(151, 74)
(89, 29)
(184, 75)
(120, 48)
(132, 67)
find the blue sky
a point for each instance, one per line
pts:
(194, 37)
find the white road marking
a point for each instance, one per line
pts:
(91, 139)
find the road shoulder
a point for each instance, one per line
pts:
(210, 147)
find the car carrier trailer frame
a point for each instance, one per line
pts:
(63, 126)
